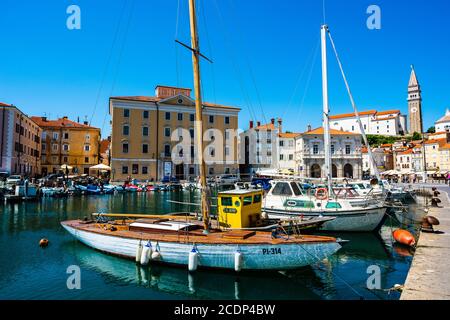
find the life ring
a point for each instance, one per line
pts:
(321, 194)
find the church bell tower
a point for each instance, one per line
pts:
(414, 104)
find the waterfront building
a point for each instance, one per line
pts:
(152, 137)
(345, 151)
(20, 142)
(386, 123)
(443, 124)
(383, 160)
(66, 142)
(286, 152)
(105, 151)
(259, 146)
(414, 103)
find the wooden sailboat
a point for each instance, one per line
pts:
(182, 242)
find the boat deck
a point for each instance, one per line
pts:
(197, 236)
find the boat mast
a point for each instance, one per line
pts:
(199, 114)
(326, 110)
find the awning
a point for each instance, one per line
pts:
(100, 167)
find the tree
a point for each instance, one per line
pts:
(416, 136)
(431, 129)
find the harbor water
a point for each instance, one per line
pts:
(30, 272)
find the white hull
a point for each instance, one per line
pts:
(349, 221)
(255, 257)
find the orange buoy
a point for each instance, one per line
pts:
(43, 243)
(404, 237)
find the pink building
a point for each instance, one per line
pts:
(20, 146)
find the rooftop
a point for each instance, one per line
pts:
(366, 113)
(64, 122)
(333, 132)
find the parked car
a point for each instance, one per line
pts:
(14, 179)
(227, 179)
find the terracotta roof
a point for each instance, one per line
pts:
(5, 105)
(157, 99)
(445, 118)
(61, 122)
(365, 113)
(441, 142)
(446, 146)
(409, 151)
(288, 135)
(386, 145)
(332, 132)
(269, 126)
(104, 145)
(436, 133)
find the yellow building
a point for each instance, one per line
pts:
(152, 137)
(68, 142)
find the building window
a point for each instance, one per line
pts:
(145, 131)
(227, 151)
(332, 149)
(291, 157)
(353, 128)
(144, 170)
(145, 148)
(87, 148)
(211, 119)
(315, 149)
(65, 147)
(126, 130)
(126, 113)
(211, 171)
(227, 170)
(86, 159)
(167, 132)
(227, 135)
(135, 169)
(55, 135)
(145, 114)
(191, 171)
(180, 116)
(281, 157)
(66, 135)
(281, 143)
(227, 120)
(192, 117)
(44, 147)
(125, 148)
(88, 137)
(347, 149)
(167, 150)
(55, 147)
(124, 169)
(167, 115)
(65, 159)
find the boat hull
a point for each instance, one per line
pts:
(283, 256)
(367, 220)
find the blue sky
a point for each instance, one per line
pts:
(266, 55)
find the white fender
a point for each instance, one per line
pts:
(146, 254)
(138, 252)
(193, 260)
(156, 255)
(238, 261)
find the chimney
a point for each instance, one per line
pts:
(258, 123)
(251, 124)
(44, 118)
(309, 128)
(280, 127)
(65, 118)
(272, 121)
(86, 123)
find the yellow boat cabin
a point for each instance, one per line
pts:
(239, 209)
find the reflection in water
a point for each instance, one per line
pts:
(22, 225)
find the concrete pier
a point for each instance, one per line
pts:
(428, 278)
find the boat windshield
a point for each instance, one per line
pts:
(282, 189)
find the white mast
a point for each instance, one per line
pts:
(326, 110)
